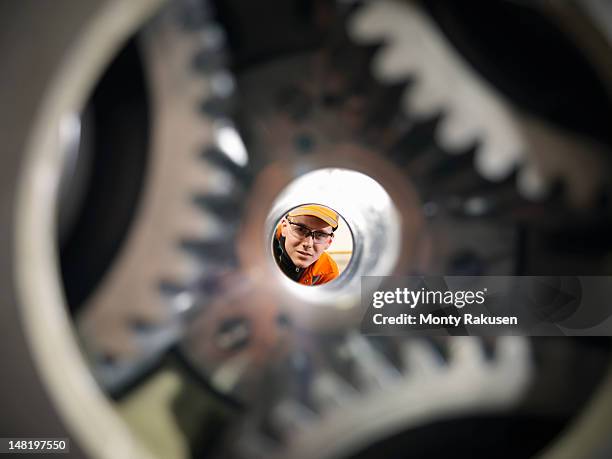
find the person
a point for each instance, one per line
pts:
(300, 242)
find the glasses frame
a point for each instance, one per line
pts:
(311, 233)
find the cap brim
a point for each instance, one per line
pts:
(315, 213)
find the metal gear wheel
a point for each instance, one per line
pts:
(317, 110)
(311, 107)
(137, 311)
(192, 279)
(474, 111)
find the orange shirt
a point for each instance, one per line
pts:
(321, 271)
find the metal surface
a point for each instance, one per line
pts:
(372, 218)
(233, 148)
(46, 324)
(474, 111)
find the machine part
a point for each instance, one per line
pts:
(129, 321)
(69, 59)
(325, 109)
(339, 417)
(372, 218)
(474, 111)
(88, 414)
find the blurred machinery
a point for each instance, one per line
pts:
(152, 146)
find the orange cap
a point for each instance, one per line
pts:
(315, 210)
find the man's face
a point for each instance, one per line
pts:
(303, 251)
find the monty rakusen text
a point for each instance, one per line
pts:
(411, 299)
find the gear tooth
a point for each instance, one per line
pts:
(371, 22)
(198, 225)
(391, 65)
(222, 84)
(532, 184)
(217, 157)
(514, 364)
(374, 369)
(229, 373)
(186, 295)
(228, 140)
(512, 348)
(210, 57)
(290, 416)
(105, 322)
(180, 298)
(180, 268)
(457, 133)
(212, 37)
(420, 358)
(423, 101)
(497, 161)
(329, 390)
(466, 353)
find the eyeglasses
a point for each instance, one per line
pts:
(303, 232)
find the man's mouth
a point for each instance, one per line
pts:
(304, 254)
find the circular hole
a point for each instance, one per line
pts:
(312, 244)
(372, 241)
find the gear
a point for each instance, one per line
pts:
(191, 275)
(293, 377)
(137, 312)
(321, 101)
(474, 112)
(338, 415)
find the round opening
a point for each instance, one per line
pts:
(373, 237)
(312, 244)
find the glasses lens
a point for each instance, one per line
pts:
(300, 231)
(320, 237)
